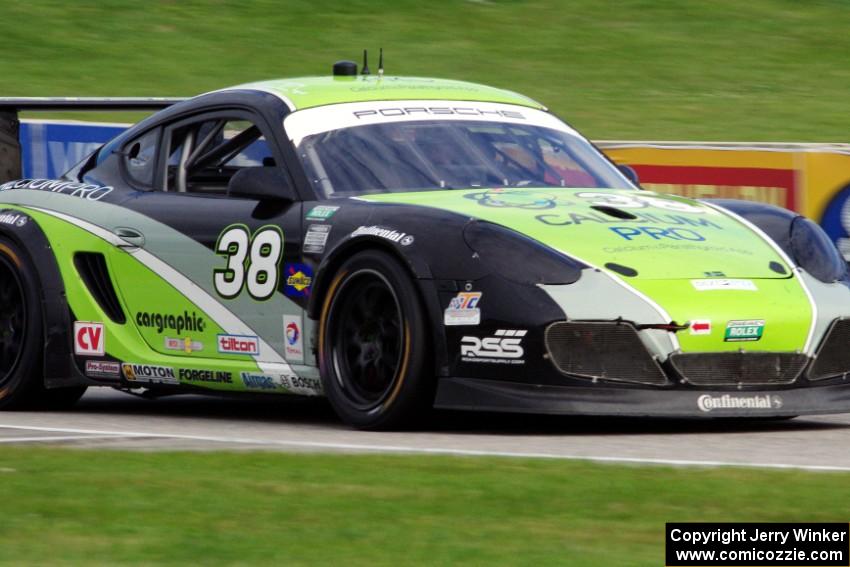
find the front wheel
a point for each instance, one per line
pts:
(21, 338)
(373, 345)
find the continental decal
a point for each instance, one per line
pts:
(85, 191)
(166, 321)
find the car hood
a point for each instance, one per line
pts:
(658, 236)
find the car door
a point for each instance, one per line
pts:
(228, 282)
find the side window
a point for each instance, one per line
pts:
(140, 158)
(204, 155)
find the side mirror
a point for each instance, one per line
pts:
(262, 183)
(630, 173)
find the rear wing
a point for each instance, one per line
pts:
(10, 108)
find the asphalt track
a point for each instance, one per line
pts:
(107, 419)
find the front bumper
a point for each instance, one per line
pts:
(502, 396)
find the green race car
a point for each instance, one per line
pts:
(397, 244)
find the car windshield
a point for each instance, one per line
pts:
(451, 153)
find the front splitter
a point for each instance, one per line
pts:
(500, 396)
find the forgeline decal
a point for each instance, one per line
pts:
(293, 338)
(316, 238)
(504, 347)
(194, 375)
(393, 235)
(252, 262)
(149, 373)
(463, 309)
(103, 369)
(238, 344)
(707, 403)
(299, 279)
(724, 284)
(749, 330)
(321, 212)
(13, 219)
(74, 189)
(89, 338)
(185, 344)
(165, 321)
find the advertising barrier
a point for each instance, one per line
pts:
(813, 179)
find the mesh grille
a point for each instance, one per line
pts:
(833, 356)
(607, 351)
(95, 274)
(734, 368)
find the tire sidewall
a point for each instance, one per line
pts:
(412, 390)
(25, 379)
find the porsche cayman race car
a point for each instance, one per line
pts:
(398, 244)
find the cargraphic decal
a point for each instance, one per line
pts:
(82, 190)
(707, 403)
(191, 322)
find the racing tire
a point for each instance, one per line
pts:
(374, 352)
(22, 338)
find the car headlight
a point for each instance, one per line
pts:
(815, 252)
(519, 258)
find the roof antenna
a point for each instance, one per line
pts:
(381, 63)
(365, 70)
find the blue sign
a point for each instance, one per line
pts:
(49, 149)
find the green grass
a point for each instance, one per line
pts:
(106, 508)
(632, 69)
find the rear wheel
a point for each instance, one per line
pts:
(373, 345)
(21, 338)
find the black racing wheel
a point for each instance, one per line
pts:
(22, 339)
(373, 344)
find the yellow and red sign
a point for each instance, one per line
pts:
(813, 179)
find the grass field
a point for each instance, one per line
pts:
(773, 70)
(104, 508)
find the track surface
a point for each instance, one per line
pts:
(108, 419)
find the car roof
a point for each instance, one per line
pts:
(308, 92)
